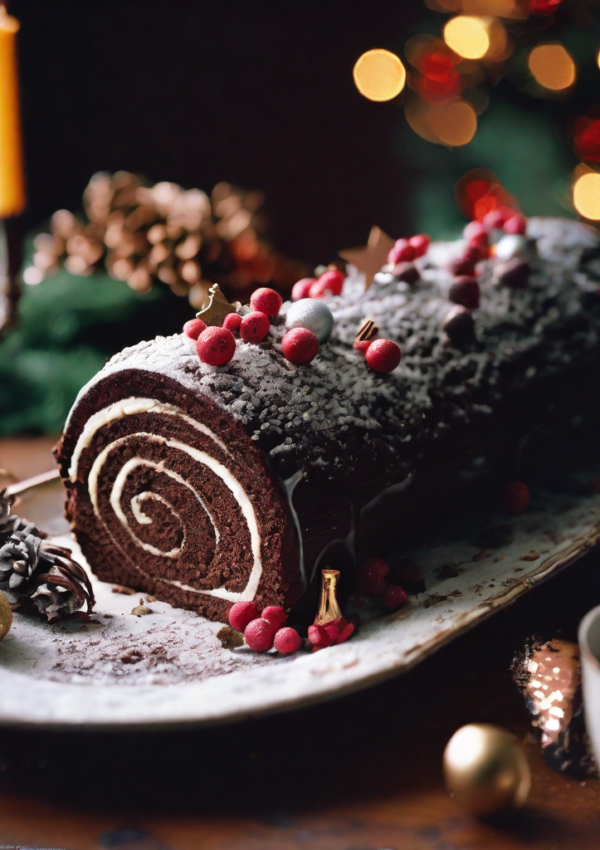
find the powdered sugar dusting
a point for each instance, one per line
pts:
(167, 646)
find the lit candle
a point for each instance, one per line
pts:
(12, 184)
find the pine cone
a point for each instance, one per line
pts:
(33, 570)
(182, 238)
(6, 519)
(19, 559)
(63, 587)
(10, 523)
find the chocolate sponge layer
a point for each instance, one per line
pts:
(157, 503)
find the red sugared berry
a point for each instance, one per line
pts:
(318, 290)
(383, 355)
(516, 497)
(494, 220)
(480, 252)
(394, 596)
(402, 252)
(301, 289)
(516, 224)
(371, 577)
(406, 272)
(275, 615)
(318, 636)
(513, 273)
(215, 346)
(232, 322)
(330, 282)
(408, 575)
(465, 291)
(339, 630)
(335, 627)
(476, 234)
(259, 635)
(266, 301)
(299, 346)
(420, 243)
(362, 344)
(458, 324)
(241, 614)
(254, 327)
(194, 328)
(462, 266)
(287, 641)
(473, 254)
(346, 632)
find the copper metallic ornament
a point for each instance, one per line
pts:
(5, 616)
(329, 608)
(217, 308)
(485, 769)
(370, 258)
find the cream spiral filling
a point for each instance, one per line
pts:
(138, 405)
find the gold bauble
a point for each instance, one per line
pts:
(485, 769)
(5, 616)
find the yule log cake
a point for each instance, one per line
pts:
(205, 485)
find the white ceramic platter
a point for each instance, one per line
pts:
(168, 667)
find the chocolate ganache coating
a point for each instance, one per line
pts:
(205, 485)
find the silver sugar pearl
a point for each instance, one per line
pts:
(512, 245)
(313, 315)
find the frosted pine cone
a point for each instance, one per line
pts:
(35, 570)
(63, 587)
(11, 523)
(19, 559)
(6, 503)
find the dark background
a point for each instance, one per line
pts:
(257, 93)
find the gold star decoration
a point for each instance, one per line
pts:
(217, 307)
(371, 257)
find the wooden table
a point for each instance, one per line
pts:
(359, 773)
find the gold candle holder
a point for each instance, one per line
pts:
(329, 608)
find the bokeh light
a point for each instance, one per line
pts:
(544, 7)
(454, 123)
(586, 195)
(598, 58)
(379, 75)
(480, 191)
(499, 48)
(499, 8)
(468, 36)
(416, 111)
(552, 66)
(586, 136)
(437, 78)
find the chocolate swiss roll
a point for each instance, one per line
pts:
(207, 485)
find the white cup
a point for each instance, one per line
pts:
(589, 646)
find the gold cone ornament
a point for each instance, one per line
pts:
(485, 769)
(329, 608)
(5, 616)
